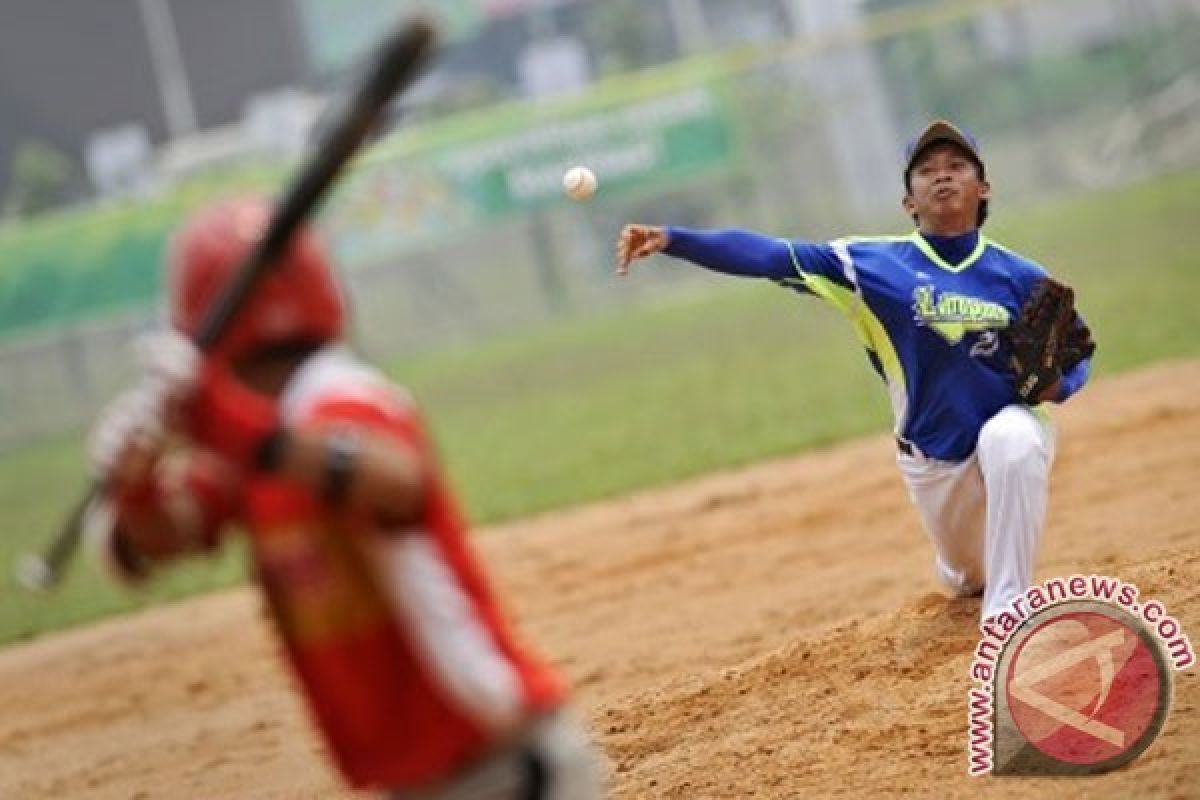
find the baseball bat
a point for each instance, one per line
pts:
(397, 63)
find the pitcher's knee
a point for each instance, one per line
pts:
(1013, 437)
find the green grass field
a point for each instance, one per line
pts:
(590, 408)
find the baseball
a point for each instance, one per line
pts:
(579, 183)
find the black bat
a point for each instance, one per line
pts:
(399, 60)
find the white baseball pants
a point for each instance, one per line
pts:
(985, 515)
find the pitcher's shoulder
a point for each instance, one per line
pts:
(1014, 259)
(880, 241)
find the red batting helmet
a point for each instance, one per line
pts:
(297, 300)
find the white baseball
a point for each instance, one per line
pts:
(579, 183)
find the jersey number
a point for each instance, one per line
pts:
(986, 345)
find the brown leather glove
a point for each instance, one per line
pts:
(1047, 339)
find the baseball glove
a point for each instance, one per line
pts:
(1047, 339)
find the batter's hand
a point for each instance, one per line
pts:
(639, 241)
(203, 399)
(170, 362)
(130, 435)
(128, 438)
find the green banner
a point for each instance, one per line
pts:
(656, 140)
(408, 201)
(421, 193)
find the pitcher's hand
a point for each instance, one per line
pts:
(639, 241)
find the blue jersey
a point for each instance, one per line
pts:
(930, 325)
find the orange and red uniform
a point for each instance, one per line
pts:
(407, 662)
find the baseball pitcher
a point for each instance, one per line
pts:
(409, 667)
(968, 337)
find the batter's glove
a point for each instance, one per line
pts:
(127, 439)
(202, 398)
(130, 433)
(1047, 339)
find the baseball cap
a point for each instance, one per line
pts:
(941, 130)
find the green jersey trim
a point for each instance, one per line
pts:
(868, 327)
(925, 247)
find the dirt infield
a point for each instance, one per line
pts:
(771, 632)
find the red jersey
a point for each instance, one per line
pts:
(408, 664)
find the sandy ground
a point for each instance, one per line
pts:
(770, 632)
